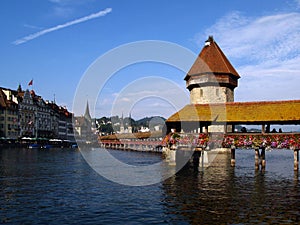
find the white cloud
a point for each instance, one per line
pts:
(124, 99)
(58, 27)
(66, 8)
(63, 11)
(258, 39)
(265, 51)
(33, 27)
(69, 2)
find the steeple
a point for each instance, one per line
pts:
(129, 123)
(19, 88)
(212, 78)
(122, 128)
(87, 114)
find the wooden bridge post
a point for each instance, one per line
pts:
(196, 159)
(172, 161)
(296, 159)
(202, 159)
(257, 156)
(263, 128)
(263, 157)
(232, 161)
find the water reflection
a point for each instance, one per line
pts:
(296, 178)
(58, 187)
(223, 194)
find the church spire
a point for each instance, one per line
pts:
(122, 128)
(87, 114)
(19, 88)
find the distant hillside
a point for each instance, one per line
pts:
(110, 125)
(153, 120)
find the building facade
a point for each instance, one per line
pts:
(43, 118)
(61, 122)
(25, 114)
(8, 117)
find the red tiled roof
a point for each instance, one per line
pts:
(282, 112)
(212, 59)
(2, 99)
(5, 103)
(140, 135)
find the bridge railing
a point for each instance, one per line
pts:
(238, 140)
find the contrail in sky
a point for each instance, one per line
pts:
(58, 27)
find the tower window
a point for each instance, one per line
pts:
(201, 93)
(217, 92)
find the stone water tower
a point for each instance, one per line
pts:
(212, 78)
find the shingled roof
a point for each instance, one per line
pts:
(212, 60)
(280, 112)
(2, 99)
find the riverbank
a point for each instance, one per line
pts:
(31, 143)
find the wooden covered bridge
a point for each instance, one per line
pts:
(198, 118)
(211, 82)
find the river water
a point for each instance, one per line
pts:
(57, 186)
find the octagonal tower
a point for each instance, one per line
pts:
(212, 78)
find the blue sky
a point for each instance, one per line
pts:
(55, 41)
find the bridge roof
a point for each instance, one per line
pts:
(140, 135)
(276, 112)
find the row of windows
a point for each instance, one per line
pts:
(44, 116)
(12, 119)
(9, 127)
(44, 109)
(28, 111)
(12, 126)
(27, 101)
(33, 108)
(44, 128)
(9, 112)
(32, 115)
(9, 118)
(42, 121)
(13, 112)
(30, 108)
(28, 119)
(13, 133)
